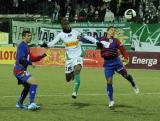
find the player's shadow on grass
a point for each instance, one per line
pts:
(126, 109)
(80, 105)
(124, 106)
(7, 108)
(121, 107)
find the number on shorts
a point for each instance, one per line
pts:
(69, 68)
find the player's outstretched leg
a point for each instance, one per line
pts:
(24, 93)
(133, 83)
(127, 76)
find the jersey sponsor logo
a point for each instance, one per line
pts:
(106, 44)
(144, 61)
(70, 44)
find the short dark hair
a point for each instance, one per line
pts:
(25, 32)
(110, 27)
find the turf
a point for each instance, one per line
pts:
(54, 95)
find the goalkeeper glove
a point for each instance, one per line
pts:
(99, 45)
(44, 45)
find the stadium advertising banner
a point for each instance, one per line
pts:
(92, 58)
(144, 60)
(146, 37)
(7, 55)
(18, 27)
(137, 60)
(56, 57)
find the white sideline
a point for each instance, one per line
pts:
(87, 94)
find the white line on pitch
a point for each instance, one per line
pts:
(87, 94)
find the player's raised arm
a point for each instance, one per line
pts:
(90, 39)
(34, 58)
(53, 42)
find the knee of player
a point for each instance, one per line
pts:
(123, 72)
(27, 87)
(77, 69)
(76, 72)
(32, 80)
(109, 80)
(68, 79)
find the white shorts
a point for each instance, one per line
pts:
(69, 66)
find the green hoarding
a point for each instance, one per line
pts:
(46, 32)
(138, 36)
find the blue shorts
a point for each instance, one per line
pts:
(110, 66)
(23, 77)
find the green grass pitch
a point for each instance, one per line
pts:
(54, 94)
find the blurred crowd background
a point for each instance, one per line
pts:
(148, 11)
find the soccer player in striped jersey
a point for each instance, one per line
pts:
(112, 62)
(23, 59)
(74, 52)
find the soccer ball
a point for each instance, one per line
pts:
(129, 14)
